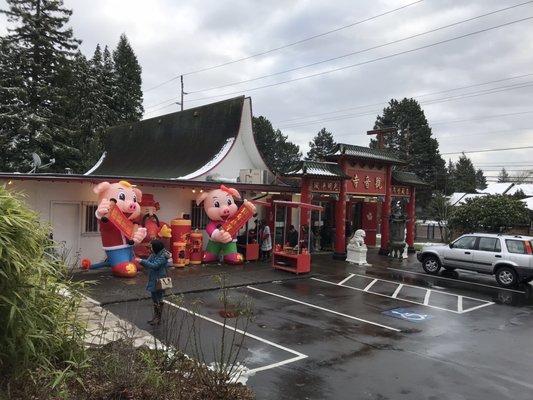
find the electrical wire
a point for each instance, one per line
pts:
(262, 53)
(487, 150)
(360, 51)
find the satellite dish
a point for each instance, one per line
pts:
(36, 160)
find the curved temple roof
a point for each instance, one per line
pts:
(181, 145)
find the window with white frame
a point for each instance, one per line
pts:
(90, 223)
(199, 218)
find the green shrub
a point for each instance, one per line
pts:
(40, 336)
(495, 213)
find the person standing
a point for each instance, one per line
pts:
(156, 263)
(266, 241)
(292, 236)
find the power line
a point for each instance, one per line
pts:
(488, 150)
(358, 64)
(429, 102)
(368, 61)
(262, 53)
(414, 96)
(360, 51)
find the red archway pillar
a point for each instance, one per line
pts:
(305, 197)
(385, 214)
(340, 224)
(411, 219)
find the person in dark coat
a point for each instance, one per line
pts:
(292, 236)
(156, 264)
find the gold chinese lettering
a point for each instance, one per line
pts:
(355, 180)
(367, 182)
(378, 184)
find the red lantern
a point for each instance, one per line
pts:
(196, 242)
(181, 231)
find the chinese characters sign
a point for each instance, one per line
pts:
(401, 191)
(366, 181)
(325, 186)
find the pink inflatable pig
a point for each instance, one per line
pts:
(118, 248)
(219, 205)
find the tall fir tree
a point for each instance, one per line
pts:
(450, 178)
(503, 176)
(43, 44)
(413, 143)
(322, 144)
(109, 87)
(279, 153)
(481, 181)
(465, 175)
(129, 96)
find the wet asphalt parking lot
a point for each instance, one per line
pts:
(347, 332)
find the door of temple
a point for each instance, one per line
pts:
(369, 222)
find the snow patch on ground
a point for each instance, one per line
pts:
(211, 164)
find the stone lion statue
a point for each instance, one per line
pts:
(358, 239)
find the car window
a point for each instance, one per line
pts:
(516, 246)
(498, 247)
(466, 242)
(488, 244)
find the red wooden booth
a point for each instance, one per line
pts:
(296, 260)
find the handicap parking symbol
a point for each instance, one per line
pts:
(405, 313)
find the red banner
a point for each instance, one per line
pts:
(122, 223)
(363, 181)
(243, 214)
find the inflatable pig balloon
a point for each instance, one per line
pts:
(118, 248)
(219, 205)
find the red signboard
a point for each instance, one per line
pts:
(363, 181)
(325, 186)
(401, 191)
(121, 222)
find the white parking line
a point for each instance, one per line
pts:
(455, 280)
(346, 279)
(460, 304)
(427, 295)
(299, 356)
(367, 288)
(325, 309)
(400, 286)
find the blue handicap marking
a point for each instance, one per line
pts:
(407, 314)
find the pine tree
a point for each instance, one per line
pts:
(414, 143)
(465, 175)
(504, 176)
(322, 144)
(450, 178)
(129, 97)
(279, 153)
(43, 46)
(12, 98)
(109, 87)
(481, 181)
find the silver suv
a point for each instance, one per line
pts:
(509, 258)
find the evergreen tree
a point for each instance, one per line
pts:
(465, 175)
(450, 178)
(413, 143)
(43, 46)
(129, 97)
(504, 176)
(279, 153)
(321, 145)
(12, 98)
(481, 181)
(109, 87)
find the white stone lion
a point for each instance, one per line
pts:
(358, 240)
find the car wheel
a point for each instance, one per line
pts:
(506, 277)
(431, 265)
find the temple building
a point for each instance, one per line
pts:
(176, 156)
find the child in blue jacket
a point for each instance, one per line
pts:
(156, 263)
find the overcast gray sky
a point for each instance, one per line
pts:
(174, 37)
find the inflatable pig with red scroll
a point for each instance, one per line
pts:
(118, 248)
(219, 205)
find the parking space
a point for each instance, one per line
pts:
(365, 334)
(432, 298)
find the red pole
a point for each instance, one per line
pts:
(411, 217)
(385, 214)
(305, 198)
(340, 224)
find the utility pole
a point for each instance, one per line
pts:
(182, 93)
(380, 133)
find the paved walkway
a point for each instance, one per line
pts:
(104, 327)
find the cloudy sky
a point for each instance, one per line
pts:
(492, 70)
